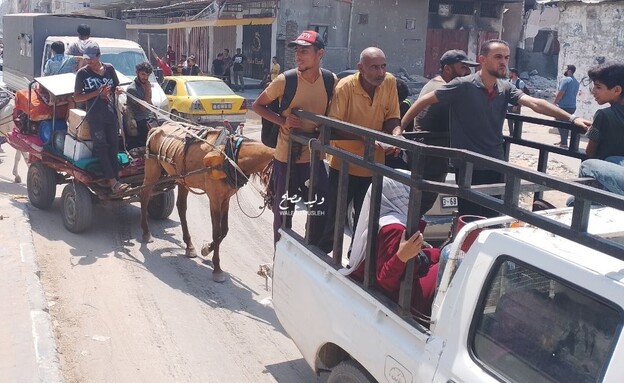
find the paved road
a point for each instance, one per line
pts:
(126, 311)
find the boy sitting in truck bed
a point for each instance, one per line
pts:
(606, 135)
(393, 250)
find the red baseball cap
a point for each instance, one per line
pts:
(307, 38)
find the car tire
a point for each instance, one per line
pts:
(41, 185)
(77, 208)
(161, 205)
(350, 371)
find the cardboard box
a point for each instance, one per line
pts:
(77, 150)
(74, 126)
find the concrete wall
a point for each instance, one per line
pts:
(590, 34)
(295, 16)
(386, 29)
(513, 21)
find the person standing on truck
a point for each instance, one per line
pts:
(139, 116)
(368, 98)
(393, 250)
(77, 47)
(310, 95)
(435, 118)
(59, 63)
(566, 100)
(477, 109)
(606, 135)
(96, 84)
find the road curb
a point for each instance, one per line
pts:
(44, 343)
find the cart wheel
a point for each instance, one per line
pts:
(77, 207)
(41, 185)
(161, 206)
(349, 371)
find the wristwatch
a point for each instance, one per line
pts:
(573, 117)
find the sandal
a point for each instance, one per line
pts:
(120, 187)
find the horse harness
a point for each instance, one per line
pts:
(232, 144)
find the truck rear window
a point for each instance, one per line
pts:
(532, 328)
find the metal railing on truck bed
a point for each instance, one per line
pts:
(517, 180)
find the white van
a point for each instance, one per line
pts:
(124, 55)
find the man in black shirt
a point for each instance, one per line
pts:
(238, 60)
(218, 66)
(96, 84)
(191, 69)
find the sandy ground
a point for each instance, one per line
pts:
(124, 311)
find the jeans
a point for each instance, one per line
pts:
(283, 210)
(239, 83)
(563, 133)
(608, 172)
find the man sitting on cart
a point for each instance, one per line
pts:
(138, 116)
(95, 84)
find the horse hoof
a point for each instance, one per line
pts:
(147, 238)
(18, 179)
(206, 249)
(218, 277)
(190, 253)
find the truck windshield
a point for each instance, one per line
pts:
(125, 62)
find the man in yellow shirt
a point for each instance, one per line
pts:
(368, 98)
(311, 95)
(275, 68)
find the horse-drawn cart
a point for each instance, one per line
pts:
(41, 132)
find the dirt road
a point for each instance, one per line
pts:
(124, 311)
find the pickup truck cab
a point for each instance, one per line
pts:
(124, 55)
(537, 297)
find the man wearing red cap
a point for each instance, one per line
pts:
(311, 95)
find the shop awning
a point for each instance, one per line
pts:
(205, 23)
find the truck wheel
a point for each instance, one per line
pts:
(77, 208)
(41, 185)
(350, 371)
(161, 206)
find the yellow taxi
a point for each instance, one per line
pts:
(204, 100)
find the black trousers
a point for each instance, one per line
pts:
(358, 186)
(105, 136)
(140, 139)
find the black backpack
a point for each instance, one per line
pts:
(270, 130)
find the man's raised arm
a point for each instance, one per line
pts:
(544, 107)
(417, 107)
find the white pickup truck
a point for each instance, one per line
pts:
(540, 300)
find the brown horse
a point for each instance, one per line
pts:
(166, 150)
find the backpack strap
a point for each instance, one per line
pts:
(329, 80)
(289, 89)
